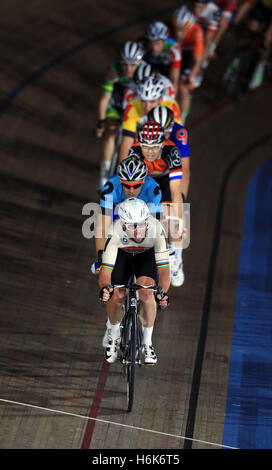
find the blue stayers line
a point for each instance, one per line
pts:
(65, 55)
(248, 422)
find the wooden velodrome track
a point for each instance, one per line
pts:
(52, 375)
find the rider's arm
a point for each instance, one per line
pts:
(103, 104)
(174, 77)
(164, 278)
(186, 176)
(129, 128)
(175, 188)
(162, 258)
(108, 258)
(126, 143)
(175, 66)
(242, 10)
(103, 223)
(197, 51)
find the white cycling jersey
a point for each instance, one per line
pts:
(210, 17)
(118, 239)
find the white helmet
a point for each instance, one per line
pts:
(156, 30)
(133, 211)
(131, 52)
(150, 89)
(183, 18)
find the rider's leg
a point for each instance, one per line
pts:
(111, 132)
(147, 313)
(114, 307)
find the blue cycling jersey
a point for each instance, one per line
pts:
(179, 136)
(113, 193)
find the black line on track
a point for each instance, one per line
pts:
(208, 293)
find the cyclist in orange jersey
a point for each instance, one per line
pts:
(190, 36)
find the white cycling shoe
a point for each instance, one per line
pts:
(112, 349)
(150, 357)
(176, 268)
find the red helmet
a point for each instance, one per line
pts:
(151, 133)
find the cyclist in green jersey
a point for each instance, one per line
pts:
(110, 110)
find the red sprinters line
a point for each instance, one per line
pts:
(95, 405)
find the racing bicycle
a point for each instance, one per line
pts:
(131, 334)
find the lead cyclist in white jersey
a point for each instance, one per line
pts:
(136, 244)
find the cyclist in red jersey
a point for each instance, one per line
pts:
(190, 36)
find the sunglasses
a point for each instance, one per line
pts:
(131, 185)
(151, 147)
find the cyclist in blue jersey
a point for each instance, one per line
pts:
(178, 134)
(131, 180)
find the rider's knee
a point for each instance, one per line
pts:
(119, 296)
(146, 296)
(112, 127)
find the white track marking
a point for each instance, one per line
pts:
(137, 428)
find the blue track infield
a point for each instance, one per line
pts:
(248, 420)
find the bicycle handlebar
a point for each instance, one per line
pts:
(133, 286)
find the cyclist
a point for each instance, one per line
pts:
(110, 111)
(190, 36)
(144, 71)
(208, 15)
(178, 134)
(131, 180)
(151, 93)
(163, 161)
(136, 245)
(227, 11)
(163, 51)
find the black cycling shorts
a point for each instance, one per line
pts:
(140, 264)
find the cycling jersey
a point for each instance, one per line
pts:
(210, 17)
(115, 75)
(194, 40)
(169, 57)
(113, 193)
(130, 92)
(179, 136)
(169, 163)
(118, 239)
(134, 115)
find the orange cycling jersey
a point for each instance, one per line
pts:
(194, 40)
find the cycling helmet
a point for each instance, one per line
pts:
(156, 30)
(133, 211)
(132, 169)
(183, 18)
(151, 133)
(144, 71)
(131, 52)
(163, 115)
(151, 89)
